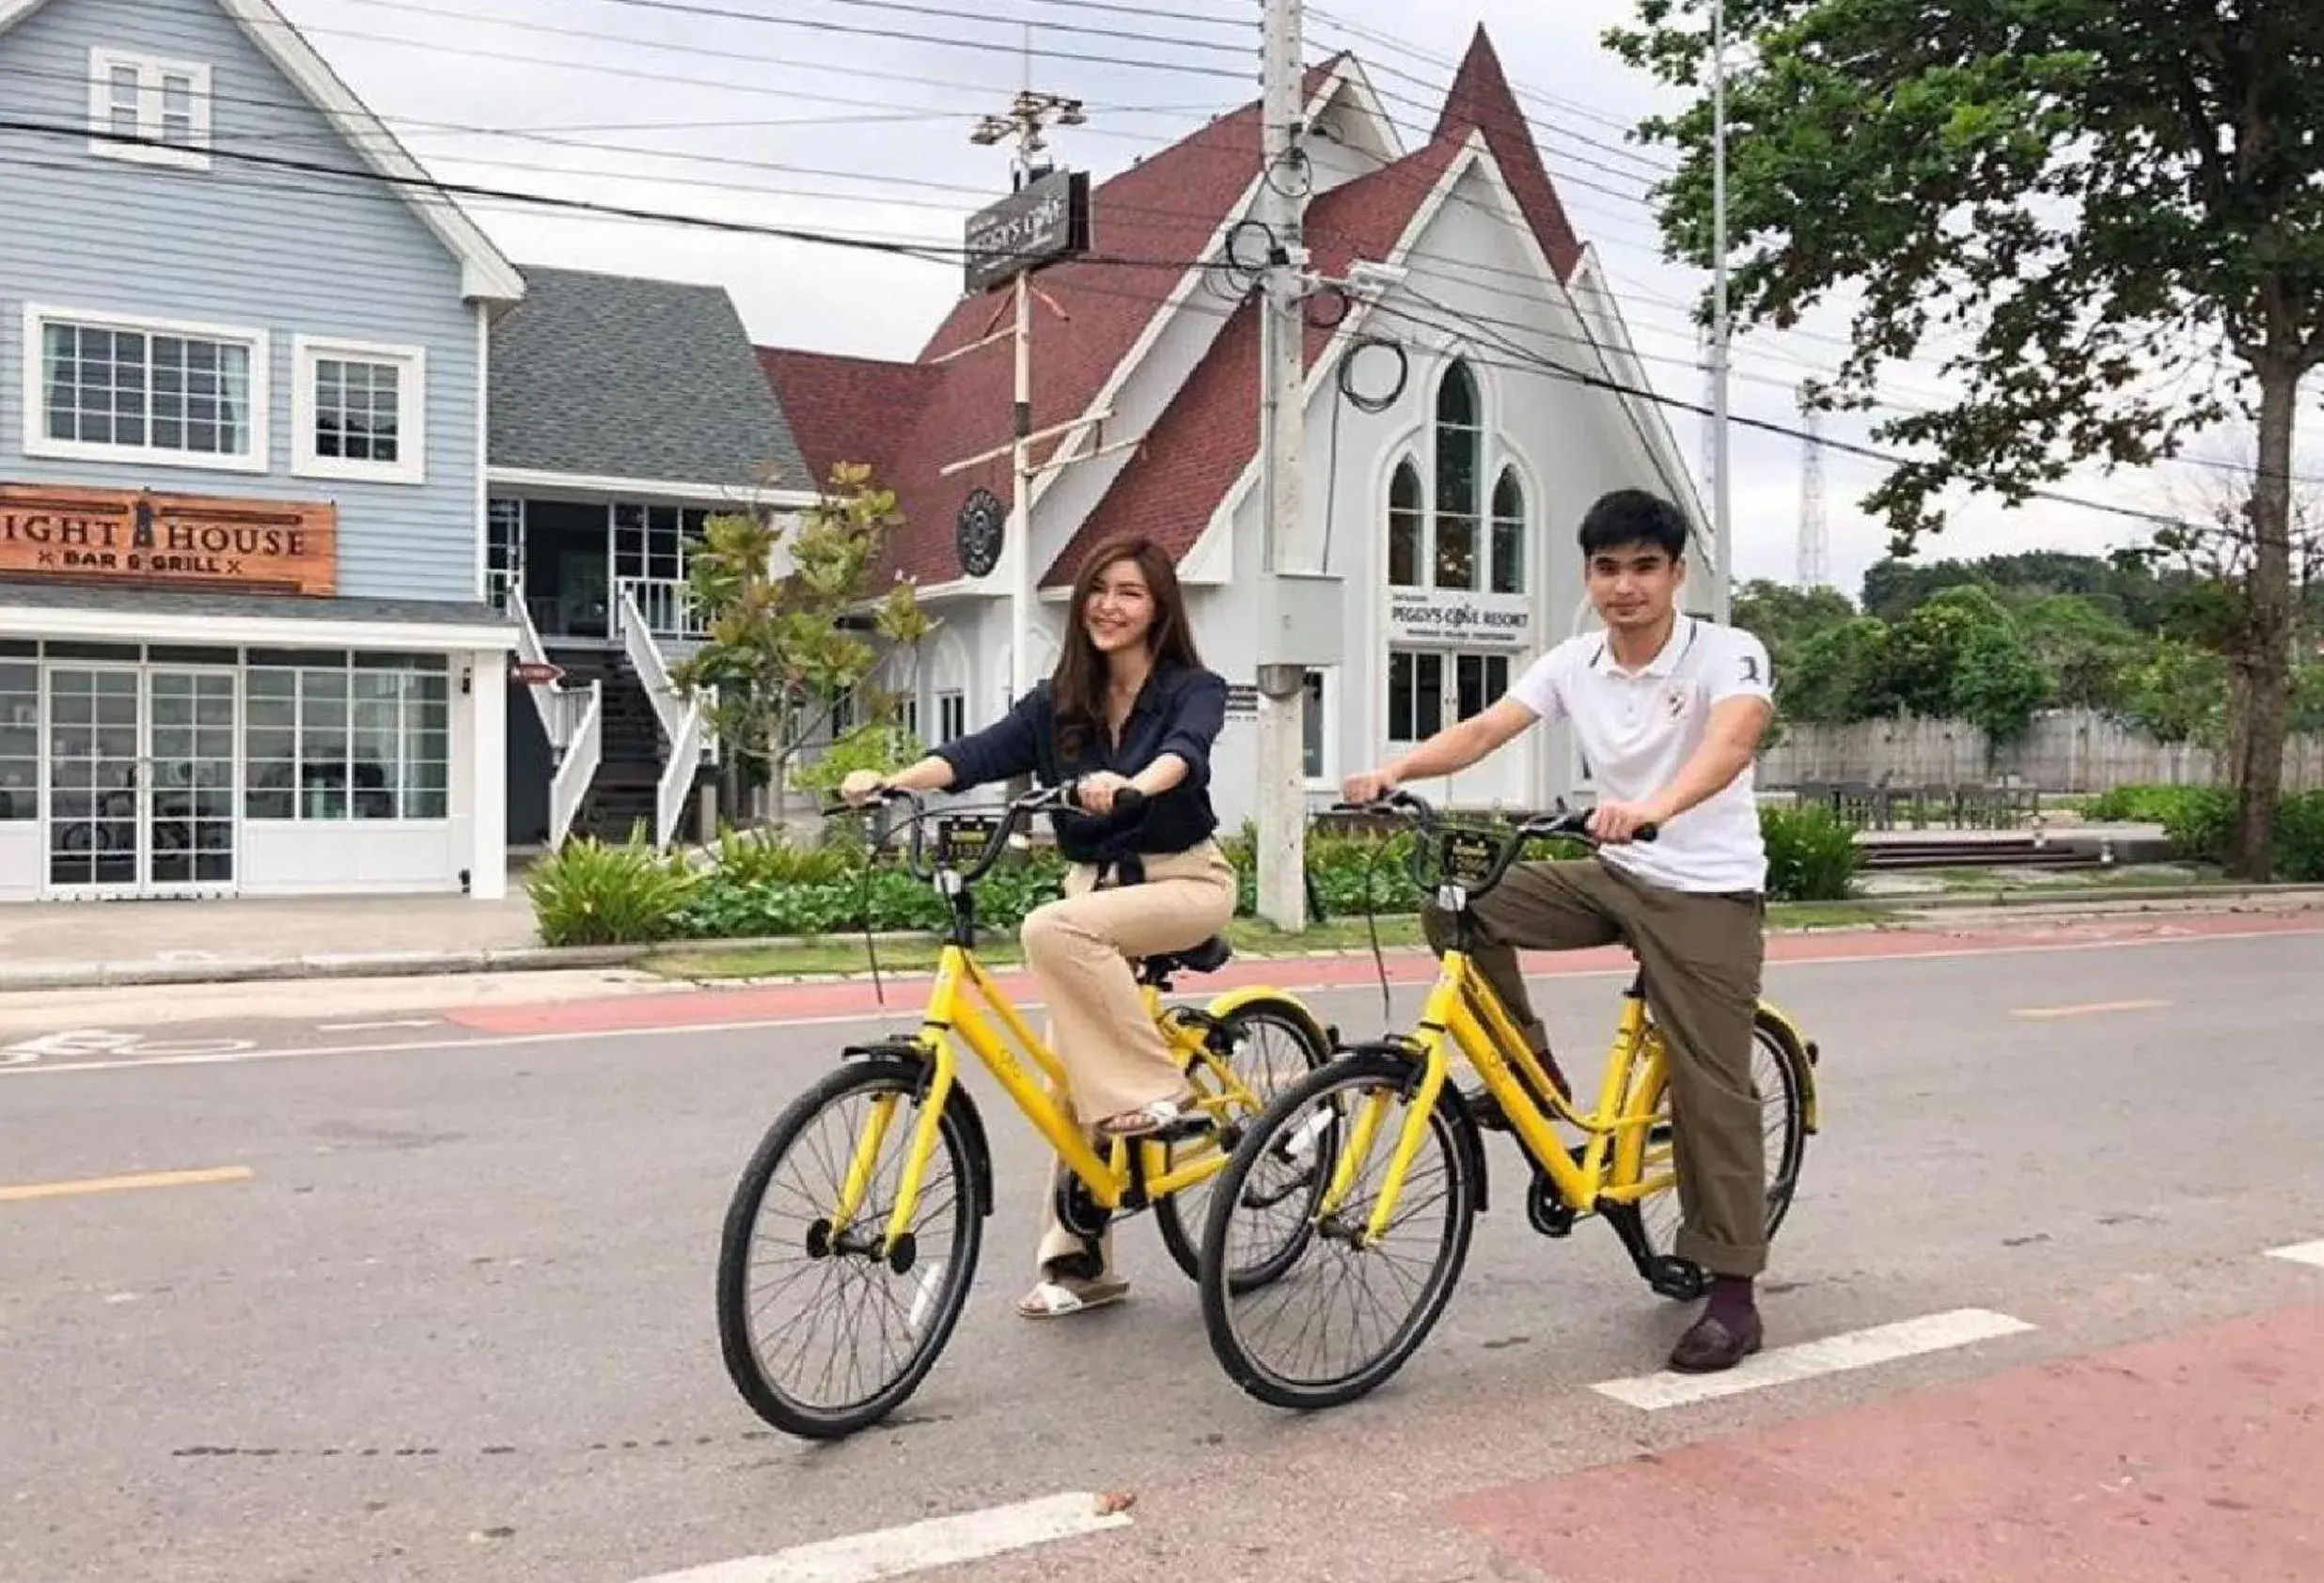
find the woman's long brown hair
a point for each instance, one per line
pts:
(1078, 688)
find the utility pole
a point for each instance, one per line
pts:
(1288, 630)
(1028, 119)
(1723, 526)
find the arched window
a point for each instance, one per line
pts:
(1460, 447)
(1508, 570)
(1407, 509)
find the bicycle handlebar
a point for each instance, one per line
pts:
(1127, 804)
(1565, 824)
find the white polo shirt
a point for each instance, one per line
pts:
(1637, 730)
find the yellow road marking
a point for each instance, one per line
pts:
(2096, 1008)
(124, 1183)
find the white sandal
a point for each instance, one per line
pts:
(1055, 1299)
(1149, 1119)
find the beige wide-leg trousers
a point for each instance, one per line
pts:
(1080, 948)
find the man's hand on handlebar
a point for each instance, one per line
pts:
(1619, 824)
(1371, 786)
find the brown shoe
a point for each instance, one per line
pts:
(1710, 1347)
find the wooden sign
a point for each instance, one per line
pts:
(168, 540)
(535, 673)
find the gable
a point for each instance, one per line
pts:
(282, 51)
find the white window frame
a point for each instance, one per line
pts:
(153, 73)
(38, 316)
(411, 365)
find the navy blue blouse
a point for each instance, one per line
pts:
(1178, 710)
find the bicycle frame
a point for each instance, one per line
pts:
(965, 1004)
(1613, 1166)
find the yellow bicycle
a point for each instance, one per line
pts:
(1328, 1170)
(878, 1236)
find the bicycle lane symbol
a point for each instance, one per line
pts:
(90, 1043)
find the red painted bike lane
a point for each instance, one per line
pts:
(2184, 1460)
(855, 998)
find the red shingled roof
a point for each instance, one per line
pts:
(1209, 432)
(1159, 215)
(1479, 98)
(846, 409)
(1149, 224)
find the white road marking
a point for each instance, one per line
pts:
(2088, 1009)
(1832, 1354)
(901, 1011)
(390, 1021)
(2301, 1253)
(916, 1547)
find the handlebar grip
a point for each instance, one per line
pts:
(1127, 802)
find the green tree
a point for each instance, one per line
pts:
(1837, 677)
(2081, 188)
(1786, 619)
(783, 646)
(1998, 685)
(2178, 694)
(2086, 649)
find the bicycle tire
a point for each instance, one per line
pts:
(1363, 1070)
(1783, 1171)
(960, 1140)
(1184, 1244)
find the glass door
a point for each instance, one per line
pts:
(141, 780)
(189, 780)
(94, 823)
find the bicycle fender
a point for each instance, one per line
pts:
(1471, 1141)
(1776, 1021)
(911, 1050)
(1327, 1039)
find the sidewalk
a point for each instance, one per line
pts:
(91, 944)
(54, 945)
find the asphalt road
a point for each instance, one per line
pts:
(454, 1322)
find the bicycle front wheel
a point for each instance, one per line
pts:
(825, 1327)
(1337, 1313)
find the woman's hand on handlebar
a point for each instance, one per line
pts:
(862, 787)
(1097, 792)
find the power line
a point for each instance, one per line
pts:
(988, 46)
(984, 19)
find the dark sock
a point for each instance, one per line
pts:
(1730, 1301)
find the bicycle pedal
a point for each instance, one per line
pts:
(1185, 1130)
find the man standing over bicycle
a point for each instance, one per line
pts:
(1668, 710)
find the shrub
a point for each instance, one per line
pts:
(589, 893)
(2148, 805)
(2299, 839)
(1811, 853)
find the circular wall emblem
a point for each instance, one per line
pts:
(979, 532)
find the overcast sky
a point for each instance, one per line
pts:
(803, 123)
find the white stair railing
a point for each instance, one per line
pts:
(666, 603)
(558, 716)
(576, 769)
(685, 719)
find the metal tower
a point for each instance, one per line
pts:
(1814, 531)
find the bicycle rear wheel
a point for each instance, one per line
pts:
(807, 1373)
(1781, 1078)
(1270, 1043)
(1274, 1337)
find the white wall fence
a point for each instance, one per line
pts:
(2072, 751)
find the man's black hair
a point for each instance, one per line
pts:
(1633, 516)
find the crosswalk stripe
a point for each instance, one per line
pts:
(864, 1558)
(1805, 1360)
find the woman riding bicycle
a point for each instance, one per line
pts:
(1130, 707)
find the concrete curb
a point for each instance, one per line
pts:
(33, 976)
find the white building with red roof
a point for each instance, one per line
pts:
(1470, 402)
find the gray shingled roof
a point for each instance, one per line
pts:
(618, 377)
(39, 594)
